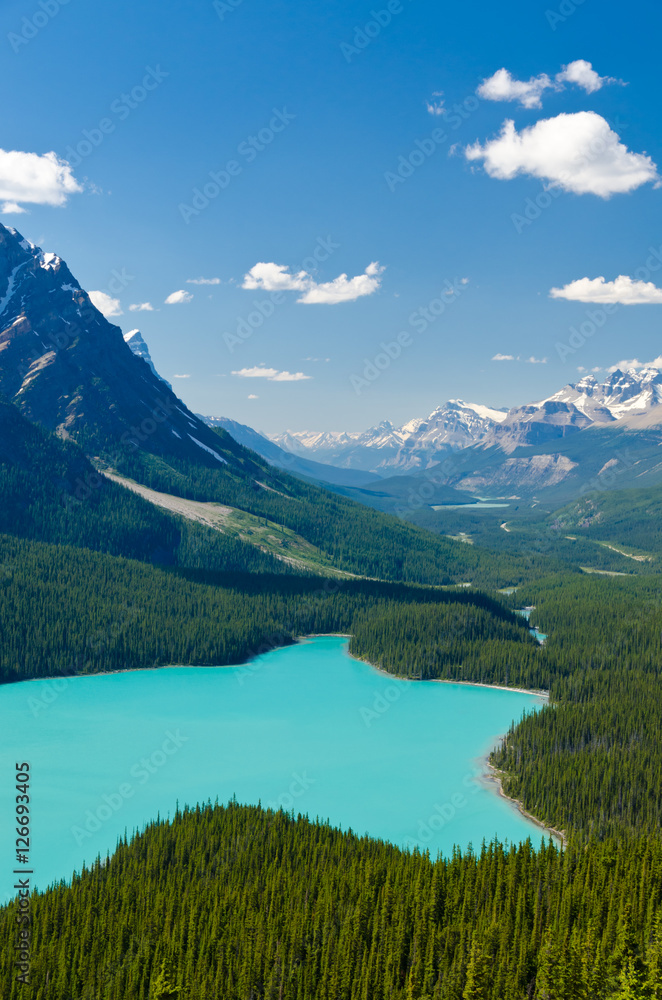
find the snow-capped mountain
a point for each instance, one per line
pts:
(66, 367)
(622, 396)
(134, 339)
(631, 398)
(287, 460)
(385, 449)
(346, 449)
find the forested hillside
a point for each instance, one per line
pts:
(236, 903)
(67, 610)
(592, 763)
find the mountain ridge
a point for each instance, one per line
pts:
(628, 398)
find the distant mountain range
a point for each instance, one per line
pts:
(287, 460)
(632, 399)
(65, 367)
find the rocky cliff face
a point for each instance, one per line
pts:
(66, 367)
(135, 341)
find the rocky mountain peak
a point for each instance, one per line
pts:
(66, 367)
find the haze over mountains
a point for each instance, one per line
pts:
(632, 397)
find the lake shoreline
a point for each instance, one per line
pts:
(298, 640)
(540, 693)
(493, 776)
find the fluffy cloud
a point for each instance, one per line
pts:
(106, 304)
(178, 298)
(503, 357)
(578, 152)
(635, 363)
(344, 289)
(203, 281)
(502, 86)
(11, 208)
(34, 179)
(181, 376)
(624, 291)
(582, 73)
(277, 278)
(141, 307)
(271, 373)
(252, 395)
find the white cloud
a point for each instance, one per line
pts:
(344, 289)
(582, 73)
(252, 396)
(504, 87)
(271, 373)
(277, 278)
(11, 208)
(141, 307)
(578, 152)
(34, 179)
(203, 281)
(527, 361)
(635, 363)
(178, 298)
(436, 107)
(624, 291)
(106, 304)
(181, 376)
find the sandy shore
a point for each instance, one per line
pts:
(493, 777)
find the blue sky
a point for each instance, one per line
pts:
(305, 113)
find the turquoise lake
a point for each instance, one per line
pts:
(305, 727)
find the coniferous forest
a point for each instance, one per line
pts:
(230, 901)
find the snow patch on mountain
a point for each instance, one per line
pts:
(134, 339)
(422, 442)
